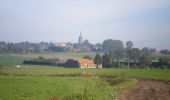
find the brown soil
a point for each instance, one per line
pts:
(148, 90)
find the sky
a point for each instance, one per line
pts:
(145, 22)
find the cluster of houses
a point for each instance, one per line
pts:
(81, 46)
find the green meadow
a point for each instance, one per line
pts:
(35, 70)
(45, 88)
(17, 59)
(33, 82)
(43, 82)
(55, 83)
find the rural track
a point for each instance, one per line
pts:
(147, 89)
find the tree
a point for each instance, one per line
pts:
(146, 60)
(135, 54)
(37, 48)
(129, 45)
(97, 47)
(115, 48)
(3, 49)
(165, 51)
(112, 45)
(152, 50)
(108, 45)
(145, 51)
(106, 61)
(118, 54)
(40, 58)
(145, 56)
(54, 48)
(97, 60)
(87, 44)
(17, 48)
(87, 57)
(165, 61)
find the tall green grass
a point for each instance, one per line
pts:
(45, 83)
(61, 88)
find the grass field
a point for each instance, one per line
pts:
(44, 82)
(17, 59)
(37, 82)
(44, 88)
(61, 55)
(30, 82)
(35, 70)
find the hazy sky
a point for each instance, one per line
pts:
(145, 22)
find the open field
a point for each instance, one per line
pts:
(34, 70)
(17, 59)
(37, 82)
(54, 88)
(55, 83)
(61, 55)
(33, 82)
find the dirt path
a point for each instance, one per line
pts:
(148, 90)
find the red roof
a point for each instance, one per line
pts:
(85, 61)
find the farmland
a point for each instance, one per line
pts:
(44, 88)
(32, 82)
(44, 82)
(32, 70)
(17, 59)
(36, 82)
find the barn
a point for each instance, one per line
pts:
(81, 63)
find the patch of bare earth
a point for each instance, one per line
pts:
(148, 90)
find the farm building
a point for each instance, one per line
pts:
(86, 63)
(70, 63)
(82, 63)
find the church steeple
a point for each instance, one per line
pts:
(80, 39)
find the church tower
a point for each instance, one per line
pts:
(80, 39)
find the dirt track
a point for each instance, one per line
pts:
(148, 90)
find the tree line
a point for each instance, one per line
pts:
(117, 55)
(41, 47)
(22, 47)
(113, 47)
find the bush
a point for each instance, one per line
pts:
(41, 58)
(87, 57)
